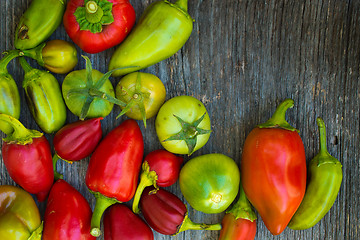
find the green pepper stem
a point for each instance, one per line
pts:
(322, 133)
(9, 55)
(187, 224)
(182, 4)
(102, 203)
(57, 175)
(147, 178)
(278, 118)
(94, 13)
(25, 65)
(36, 53)
(20, 134)
(37, 233)
(242, 208)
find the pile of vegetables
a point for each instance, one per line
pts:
(272, 180)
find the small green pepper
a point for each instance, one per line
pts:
(323, 186)
(44, 98)
(38, 22)
(9, 93)
(162, 30)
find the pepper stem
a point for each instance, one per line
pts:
(21, 134)
(57, 175)
(187, 224)
(102, 203)
(242, 208)
(25, 65)
(35, 53)
(182, 4)
(94, 13)
(147, 178)
(9, 55)
(278, 118)
(37, 233)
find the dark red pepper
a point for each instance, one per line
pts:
(96, 25)
(114, 168)
(167, 214)
(120, 223)
(239, 221)
(160, 168)
(67, 214)
(27, 158)
(76, 141)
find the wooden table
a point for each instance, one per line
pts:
(242, 59)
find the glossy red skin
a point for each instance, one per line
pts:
(67, 214)
(237, 229)
(111, 35)
(30, 166)
(114, 166)
(163, 211)
(120, 223)
(78, 140)
(273, 174)
(166, 165)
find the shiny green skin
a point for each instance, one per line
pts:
(19, 215)
(44, 99)
(161, 31)
(210, 182)
(77, 80)
(325, 177)
(38, 22)
(9, 94)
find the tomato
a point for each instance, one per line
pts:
(183, 125)
(210, 182)
(144, 93)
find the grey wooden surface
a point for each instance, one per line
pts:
(242, 59)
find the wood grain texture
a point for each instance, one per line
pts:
(242, 59)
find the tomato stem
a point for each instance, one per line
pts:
(278, 118)
(147, 178)
(187, 224)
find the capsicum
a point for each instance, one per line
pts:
(161, 31)
(96, 25)
(19, 215)
(114, 168)
(273, 169)
(27, 157)
(120, 223)
(167, 214)
(67, 214)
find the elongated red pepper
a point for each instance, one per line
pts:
(160, 168)
(67, 214)
(27, 158)
(96, 25)
(239, 221)
(167, 214)
(76, 141)
(120, 223)
(114, 168)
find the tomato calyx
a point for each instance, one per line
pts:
(94, 15)
(189, 133)
(137, 98)
(278, 118)
(92, 91)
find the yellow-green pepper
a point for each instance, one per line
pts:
(325, 176)
(38, 22)
(162, 30)
(19, 215)
(44, 98)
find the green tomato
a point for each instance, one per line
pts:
(183, 125)
(210, 182)
(143, 93)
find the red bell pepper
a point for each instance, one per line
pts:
(120, 223)
(76, 141)
(27, 158)
(160, 168)
(96, 25)
(239, 221)
(167, 214)
(273, 169)
(114, 168)
(67, 214)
